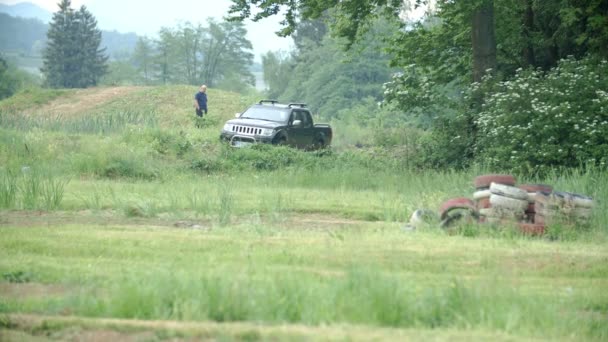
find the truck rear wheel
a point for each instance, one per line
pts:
(319, 143)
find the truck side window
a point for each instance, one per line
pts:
(306, 120)
(297, 115)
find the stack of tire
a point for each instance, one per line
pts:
(498, 201)
(563, 207)
(533, 190)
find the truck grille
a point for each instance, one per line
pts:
(244, 130)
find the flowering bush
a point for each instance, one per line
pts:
(544, 119)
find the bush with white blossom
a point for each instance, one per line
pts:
(543, 119)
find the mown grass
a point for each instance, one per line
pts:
(90, 201)
(371, 276)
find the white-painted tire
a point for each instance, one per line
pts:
(548, 212)
(508, 191)
(582, 213)
(531, 197)
(477, 195)
(501, 213)
(583, 201)
(503, 202)
(423, 216)
(547, 201)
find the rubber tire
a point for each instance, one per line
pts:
(422, 216)
(503, 214)
(477, 195)
(532, 228)
(508, 191)
(548, 213)
(574, 200)
(456, 203)
(543, 200)
(582, 213)
(483, 203)
(319, 144)
(485, 181)
(533, 188)
(539, 219)
(503, 202)
(531, 208)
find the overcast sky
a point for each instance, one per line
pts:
(147, 17)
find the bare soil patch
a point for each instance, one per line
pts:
(31, 290)
(107, 329)
(298, 221)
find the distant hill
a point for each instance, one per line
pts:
(21, 34)
(27, 10)
(28, 36)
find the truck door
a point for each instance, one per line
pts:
(300, 129)
(308, 131)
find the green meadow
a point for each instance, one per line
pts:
(123, 218)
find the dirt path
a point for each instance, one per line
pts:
(118, 330)
(83, 100)
(309, 221)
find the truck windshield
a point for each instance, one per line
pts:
(268, 114)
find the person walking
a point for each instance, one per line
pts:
(200, 101)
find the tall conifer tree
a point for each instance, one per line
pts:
(72, 58)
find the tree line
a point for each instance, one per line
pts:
(215, 54)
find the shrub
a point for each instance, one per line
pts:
(540, 120)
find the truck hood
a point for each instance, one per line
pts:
(255, 123)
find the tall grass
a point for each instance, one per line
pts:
(8, 190)
(33, 189)
(102, 123)
(225, 199)
(361, 296)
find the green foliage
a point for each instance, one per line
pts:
(7, 83)
(119, 74)
(143, 59)
(537, 121)
(218, 55)
(329, 79)
(72, 58)
(27, 98)
(12, 79)
(277, 69)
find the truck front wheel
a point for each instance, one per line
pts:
(281, 141)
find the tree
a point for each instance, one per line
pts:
(483, 39)
(72, 58)
(226, 51)
(351, 18)
(164, 54)
(12, 79)
(329, 79)
(143, 59)
(276, 68)
(92, 59)
(7, 83)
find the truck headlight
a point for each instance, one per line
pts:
(267, 132)
(228, 127)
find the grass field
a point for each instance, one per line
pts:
(122, 220)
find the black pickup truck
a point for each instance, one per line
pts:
(281, 124)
